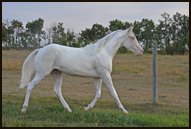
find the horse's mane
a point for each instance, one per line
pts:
(99, 44)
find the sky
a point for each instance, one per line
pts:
(81, 15)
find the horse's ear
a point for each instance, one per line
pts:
(130, 28)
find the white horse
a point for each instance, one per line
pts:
(93, 60)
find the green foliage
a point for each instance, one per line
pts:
(116, 25)
(91, 35)
(4, 35)
(17, 27)
(171, 34)
(15, 36)
(59, 36)
(35, 30)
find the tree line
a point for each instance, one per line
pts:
(171, 34)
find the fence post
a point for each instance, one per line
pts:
(154, 73)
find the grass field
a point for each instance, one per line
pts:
(132, 79)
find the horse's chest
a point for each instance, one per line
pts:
(103, 64)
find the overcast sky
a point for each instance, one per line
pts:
(80, 15)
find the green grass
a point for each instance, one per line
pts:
(50, 113)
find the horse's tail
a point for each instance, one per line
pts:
(28, 69)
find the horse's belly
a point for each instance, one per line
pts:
(78, 68)
(79, 72)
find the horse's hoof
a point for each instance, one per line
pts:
(125, 112)
(24, 110)
(86, 108)
(69, 110)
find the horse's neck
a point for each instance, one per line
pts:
(110, 45)
(113, 45)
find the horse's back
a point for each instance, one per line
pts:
(54, 47)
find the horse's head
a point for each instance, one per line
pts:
(131, 43)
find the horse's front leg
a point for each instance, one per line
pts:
(97, 85)
(106, 77)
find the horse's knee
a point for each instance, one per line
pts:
(55, 91)
(29, 87)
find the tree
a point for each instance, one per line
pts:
(49, 33)
(180, 37)
(92, 34)
(7, 34)
(137, 31)
(71, 39)
(34, 28)
(58, 34)
(25, 39)
(98, 31)
(4, 35)
(17, 27)
(172, 33)
(147, 27)
(165, 31)
(10, 36)
(116, 24)
(86, 37)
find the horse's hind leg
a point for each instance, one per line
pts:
(30, 86)
(97, 85)
(57, 75)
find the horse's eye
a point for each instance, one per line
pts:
(132, 37)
